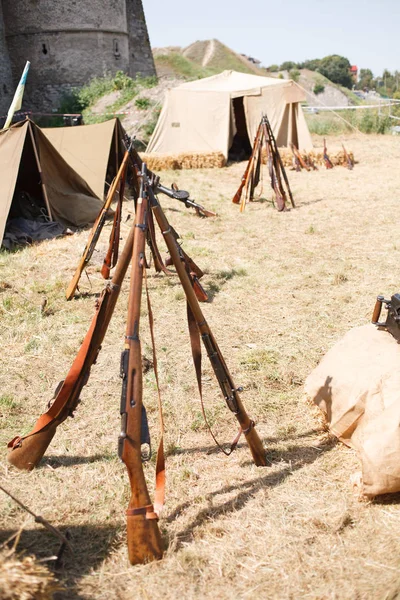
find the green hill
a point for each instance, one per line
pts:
(201, 59)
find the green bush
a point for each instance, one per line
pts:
(318, 88)
(95, 89)
(294, 74)
(122, 81)
(151, 125)
(367, 121)
(142, 103)
(146, 82)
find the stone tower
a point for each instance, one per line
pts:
(70, 42)
(6, 83)
(140, 55)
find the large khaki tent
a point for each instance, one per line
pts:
(93, 151)
(31, 165)
(205, 115)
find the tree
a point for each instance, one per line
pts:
(287, 66)
(366, 79)
(273, 68)
(294, 74)
(337, 69)
(312, 65)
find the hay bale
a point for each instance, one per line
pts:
(25, 579)
(193, 160)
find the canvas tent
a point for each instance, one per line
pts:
(30, 164)
(93, 151)
(205, 115)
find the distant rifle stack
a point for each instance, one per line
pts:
(253, 173)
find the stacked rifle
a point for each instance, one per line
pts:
(306, 161)
(253, 173)
(25, 451)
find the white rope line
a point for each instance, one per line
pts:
(359, 107)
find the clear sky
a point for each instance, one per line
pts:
(365, 31)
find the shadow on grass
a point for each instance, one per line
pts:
(81, 295)
(64, 460)
(263, 200)
(213, 449)
(219, 279)
(309, 203)
(91, 545)
(296, 458)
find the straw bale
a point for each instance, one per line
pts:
(25, 579)
(194, 160)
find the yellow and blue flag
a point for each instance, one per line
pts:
(17, 100)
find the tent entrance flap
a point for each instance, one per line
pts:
(28, 200)
(241, 146)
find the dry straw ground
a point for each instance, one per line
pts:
(284, 288)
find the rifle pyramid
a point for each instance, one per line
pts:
(25, 451)
(253, 173)
(117, 189)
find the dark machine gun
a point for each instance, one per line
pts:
(392, 323)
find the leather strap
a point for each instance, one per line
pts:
(159, 495)
(158, 261)
(66, 390)
(196, 354)
(148, 511)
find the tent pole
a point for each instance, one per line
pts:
(46, 199)
(116, 146)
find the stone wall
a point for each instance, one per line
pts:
(6, 83)
(70, 42)
(140, 54)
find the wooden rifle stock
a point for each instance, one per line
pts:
(192, 269)
(231, 395)
(350, 163)
(25, 452)
(144, 538)
(299, 159)
(111, 257)
(327, 160)
(273, 169)
(96, 230)
(248, 172)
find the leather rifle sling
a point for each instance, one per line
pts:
(70, 381)
(117, 221)
(196, 354)
(158, 261)
(159, 494)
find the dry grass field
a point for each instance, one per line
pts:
(284, 287)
